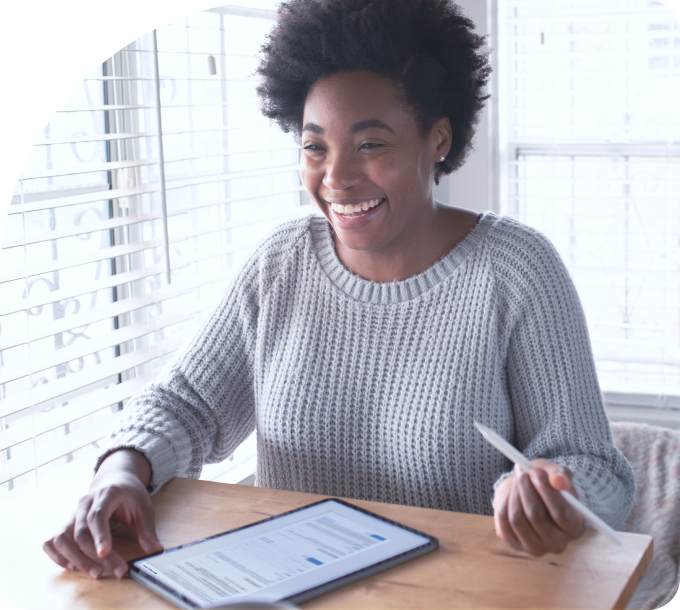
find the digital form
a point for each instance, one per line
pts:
(251, 565)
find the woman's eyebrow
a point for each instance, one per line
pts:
(356, 128)
(361, 125)
(313, 127)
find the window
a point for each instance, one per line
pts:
(125, 230)
(593, 161)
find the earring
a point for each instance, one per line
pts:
(442, 158)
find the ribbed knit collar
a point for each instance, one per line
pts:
(386, 293)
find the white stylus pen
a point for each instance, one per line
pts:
(518, 458)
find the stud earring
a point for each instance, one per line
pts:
(442, 158)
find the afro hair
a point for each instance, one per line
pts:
(428, 47)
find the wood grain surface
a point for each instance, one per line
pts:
(472, 567)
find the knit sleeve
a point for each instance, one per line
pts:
(556, 400)
(203, 406)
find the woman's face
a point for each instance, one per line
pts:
(365, 163)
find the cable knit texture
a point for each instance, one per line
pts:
(369, 390)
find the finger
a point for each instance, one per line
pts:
(118, 565)
(111, 561)
(83, 537)
(538, 515)
(54, 555)
(563, 514)
(149, 542)
(146, 532)
(81, 530)
(500, 515)
(519, 523)
(560, 476)
(99, 523)
(69, 550)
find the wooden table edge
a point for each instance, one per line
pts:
(639, 573)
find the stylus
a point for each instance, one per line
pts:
(518, 458)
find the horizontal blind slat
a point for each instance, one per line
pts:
(11, 469)
(16, 434)
(103, 195)
(99, 137)
(91, 403)
(208, 204)
(88, 168)
(83, 259)
(76, 409)
(110, 107)
(210, 230)
(105, 108)
(76, 440)
(118, 308)
(582, 149)
(70, 383)
(83, 289)
(229, 152)
(223, 177)
(81, 407)
(86, 348)
(238, 127)
(210, 79)
(103, 225)
(629, 13)
(83, 319)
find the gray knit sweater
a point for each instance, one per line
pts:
(369, 390)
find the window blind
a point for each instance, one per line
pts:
(88, 315)
(593, 140)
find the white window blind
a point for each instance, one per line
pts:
(87, 314)
(593, 140)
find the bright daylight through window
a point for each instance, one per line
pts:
(591, 99)
(87, 313)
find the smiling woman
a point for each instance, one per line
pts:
(362, 345)
(373, 177)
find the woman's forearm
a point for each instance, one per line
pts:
(127, 460)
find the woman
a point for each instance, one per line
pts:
(363, 345)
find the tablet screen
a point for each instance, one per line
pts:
(281, 557)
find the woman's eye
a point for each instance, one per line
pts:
(312, 147)
(370, 145)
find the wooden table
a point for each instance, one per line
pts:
(472, 567)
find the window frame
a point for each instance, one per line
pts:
(650, 408)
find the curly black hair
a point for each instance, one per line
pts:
(428, 47)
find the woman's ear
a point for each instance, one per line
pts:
(441, 133)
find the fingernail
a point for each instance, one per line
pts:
(94, 572)
(119, 572)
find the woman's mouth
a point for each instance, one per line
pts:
(356, 210)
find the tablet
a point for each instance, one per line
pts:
(293, 556)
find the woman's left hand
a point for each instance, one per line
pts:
(530, 513)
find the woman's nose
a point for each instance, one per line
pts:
(341, 172)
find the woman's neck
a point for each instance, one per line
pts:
(416, 252)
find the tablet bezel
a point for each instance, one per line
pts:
(181, 601)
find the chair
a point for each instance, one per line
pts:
(654, 454)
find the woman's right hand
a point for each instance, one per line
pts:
(117, 494)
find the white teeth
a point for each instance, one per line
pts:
(354, 209)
